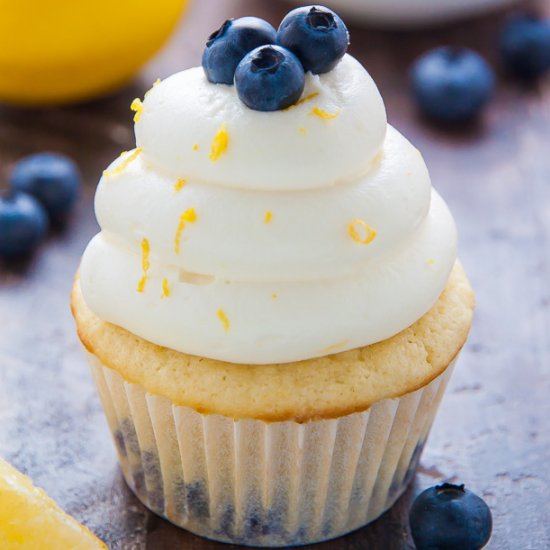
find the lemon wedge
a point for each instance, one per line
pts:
(31, 520)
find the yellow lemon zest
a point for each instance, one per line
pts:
(155, 83)
(317, 111)
(223, 318)
(145, 264)
(268, 216)
(354, 228)
(165, 288)
(220, 143)
(302, 130)
(137, 107)
(119, 168)
(145, 249)
(179, 184)
(189, 216)
(274, 296)
(431, 261)
(141, 284)
(303, 100)
(196, 147)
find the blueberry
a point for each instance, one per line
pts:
(449, 517)
(230, 43)
(23, 224)
(317, 36)
(525, 46)
(452, 84)
(269, 78)
(52, 178)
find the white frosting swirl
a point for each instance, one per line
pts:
(291, 149)
(270, 261)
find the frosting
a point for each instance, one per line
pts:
(255, 150)
(258, 237)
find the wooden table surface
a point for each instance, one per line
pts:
(492, 432)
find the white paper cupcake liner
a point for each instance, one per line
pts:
(266, 484)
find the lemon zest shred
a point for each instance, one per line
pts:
(124, 164)
(141, 284)
(353, 230)
(268, 216)
(274, 296)
(189, 216)
(308, 97)
(302, 130)
(165, 288)
(145, 249)
(321, 113)
(196, 147)
(155, 83)
(179, 184)
(224, 319)
(219, 144)
(431, 261)
(145, 264)
(137, 107)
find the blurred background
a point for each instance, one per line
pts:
(68, 74)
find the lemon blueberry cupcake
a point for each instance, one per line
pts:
(274, 305)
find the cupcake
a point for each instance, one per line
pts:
(273, 306)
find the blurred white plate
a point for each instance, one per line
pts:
(410, 12)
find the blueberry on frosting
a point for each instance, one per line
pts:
(269, 78)
(230, 43)
(317, 36)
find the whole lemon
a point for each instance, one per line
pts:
(55, 51)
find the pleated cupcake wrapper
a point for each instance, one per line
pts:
(266, 484)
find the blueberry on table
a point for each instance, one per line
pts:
(51, 178)
(525, 46)
(269, 78)
(452, 84)
(317, 36)
(23, 224)
(230, 43)
(449, 517)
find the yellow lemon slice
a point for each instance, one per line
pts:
(31, 520)
(56, 51)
